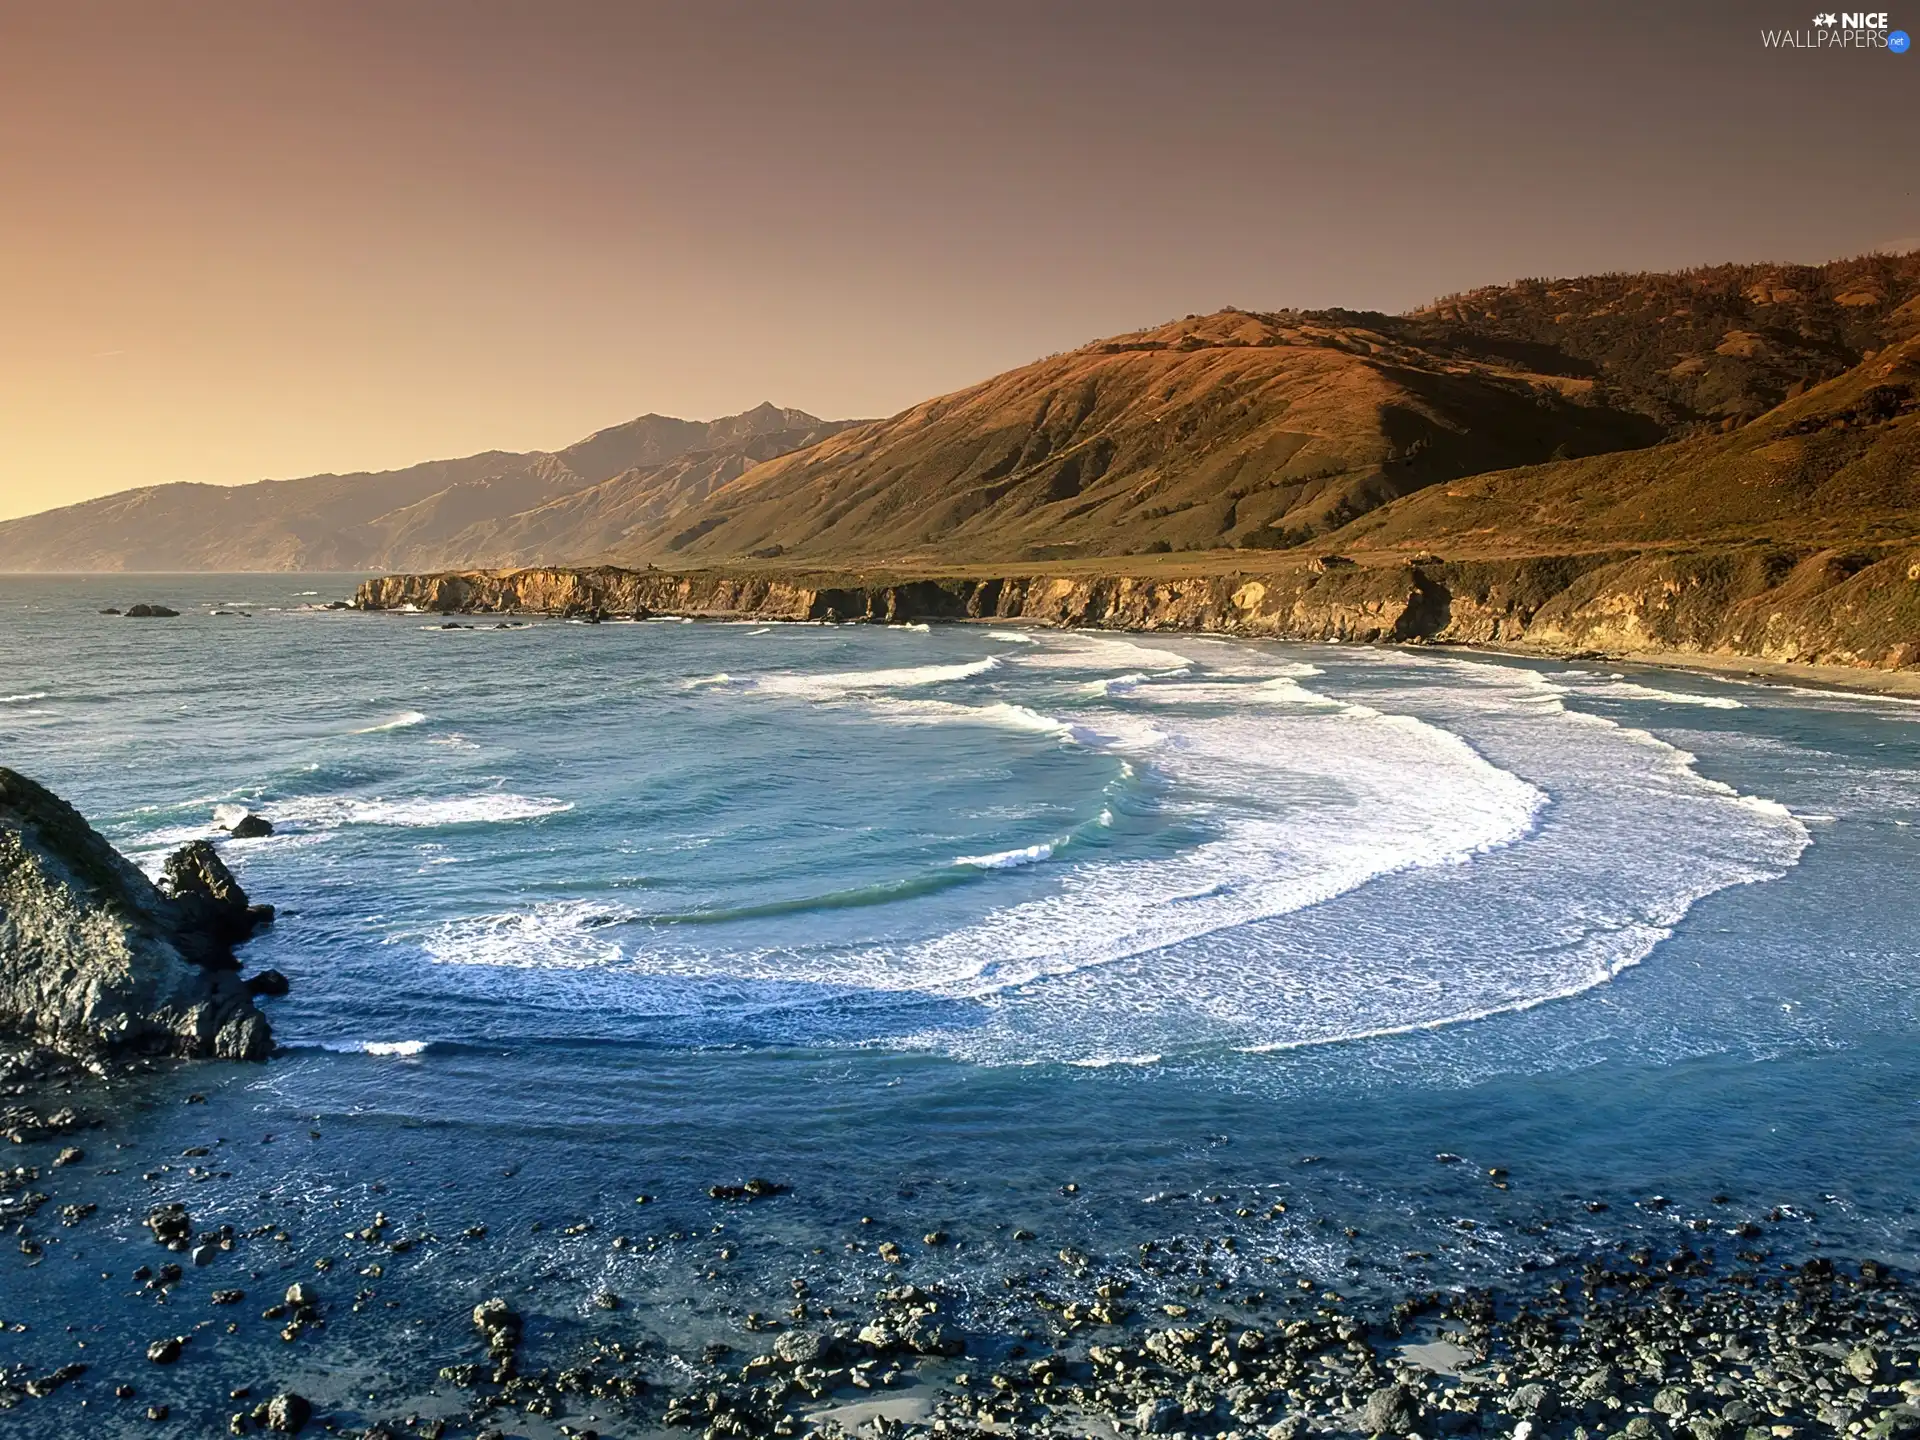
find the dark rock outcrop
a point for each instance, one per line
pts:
(144, 611)
(212, 913)
(96, 959)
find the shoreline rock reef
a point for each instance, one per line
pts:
(1711, 1335)
(1806, 607)
(99, 962)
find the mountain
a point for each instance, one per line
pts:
(1218, 430)
(371, 520)
(607, 517)
(1242, 430)
(1791, 541)
(1719, 345)
(1226, 432)
(1836, 466)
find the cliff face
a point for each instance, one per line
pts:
(1858, 608)
(95, 958)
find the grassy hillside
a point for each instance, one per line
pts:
(1261, 431)
(1222, 430)
(1838, 465)
(1718, 345)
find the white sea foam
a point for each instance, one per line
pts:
(404, 720)
(1012, 637)
(918, 627)
(1002, 715)
(401, 1049)
(563, 935)
(26, 699)
(1007, 859)
(1358, 819)
(1434, 841)
(1102, 1062)
(492, 807)
(1847, 697)
(834, 685)
(1620, 689)
(1081, 651)
(1280, 690)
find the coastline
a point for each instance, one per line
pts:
(1841, 679)
(1546, 609)
(1709, 1320)
(1244, 1289)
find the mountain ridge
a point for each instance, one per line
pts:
(361, 519)
(1239, 430)
(1250, 430)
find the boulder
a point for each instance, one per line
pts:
(1390, 1410)
(212, 913)
(803, 1347)
(95, 959)
(1158, 1417)
(241, 823)
(147, 612)
(923, 1335)
(287, 1413)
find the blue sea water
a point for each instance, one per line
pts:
(961, 929)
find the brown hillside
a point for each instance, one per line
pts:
(1717, 344)
(1222, 430)
(1838, 465)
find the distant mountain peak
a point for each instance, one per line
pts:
(370, 519)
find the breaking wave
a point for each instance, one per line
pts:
(406, 719)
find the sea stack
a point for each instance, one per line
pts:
(97, 960)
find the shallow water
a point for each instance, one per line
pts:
(930, 924)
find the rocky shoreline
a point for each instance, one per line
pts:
(98, 961)
(1714, 1336)
(1776, 607)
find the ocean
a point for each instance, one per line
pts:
(1323, 968)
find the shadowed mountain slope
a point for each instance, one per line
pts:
(1718, 345)
(1838, 465)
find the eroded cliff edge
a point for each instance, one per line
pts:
(1857, 608)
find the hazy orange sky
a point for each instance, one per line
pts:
(272, 237)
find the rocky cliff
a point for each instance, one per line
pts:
(1810, 607)
(97, 959)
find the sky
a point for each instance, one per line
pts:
(253, 238)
